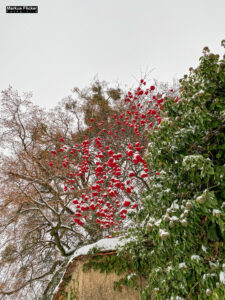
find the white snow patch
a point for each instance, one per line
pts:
(163, 233)
(170, 268)
(182, 265)
(195, 257)
(205, 276)
(216, 211)
(175, 205)
(222, 277)
(103, 245)
(131, 275)
(204, 248)
(158, 222)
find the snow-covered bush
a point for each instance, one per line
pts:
(178, 244)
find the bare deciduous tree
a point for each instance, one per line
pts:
(37, 230)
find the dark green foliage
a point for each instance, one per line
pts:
(177, 245)
(183, 215)
(108, 264)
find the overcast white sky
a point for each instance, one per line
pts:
(69, 42)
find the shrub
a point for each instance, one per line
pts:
(177, 244)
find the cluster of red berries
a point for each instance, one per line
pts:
(107, 179)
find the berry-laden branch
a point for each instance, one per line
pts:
(109, 170)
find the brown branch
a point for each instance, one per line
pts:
(32, 279)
